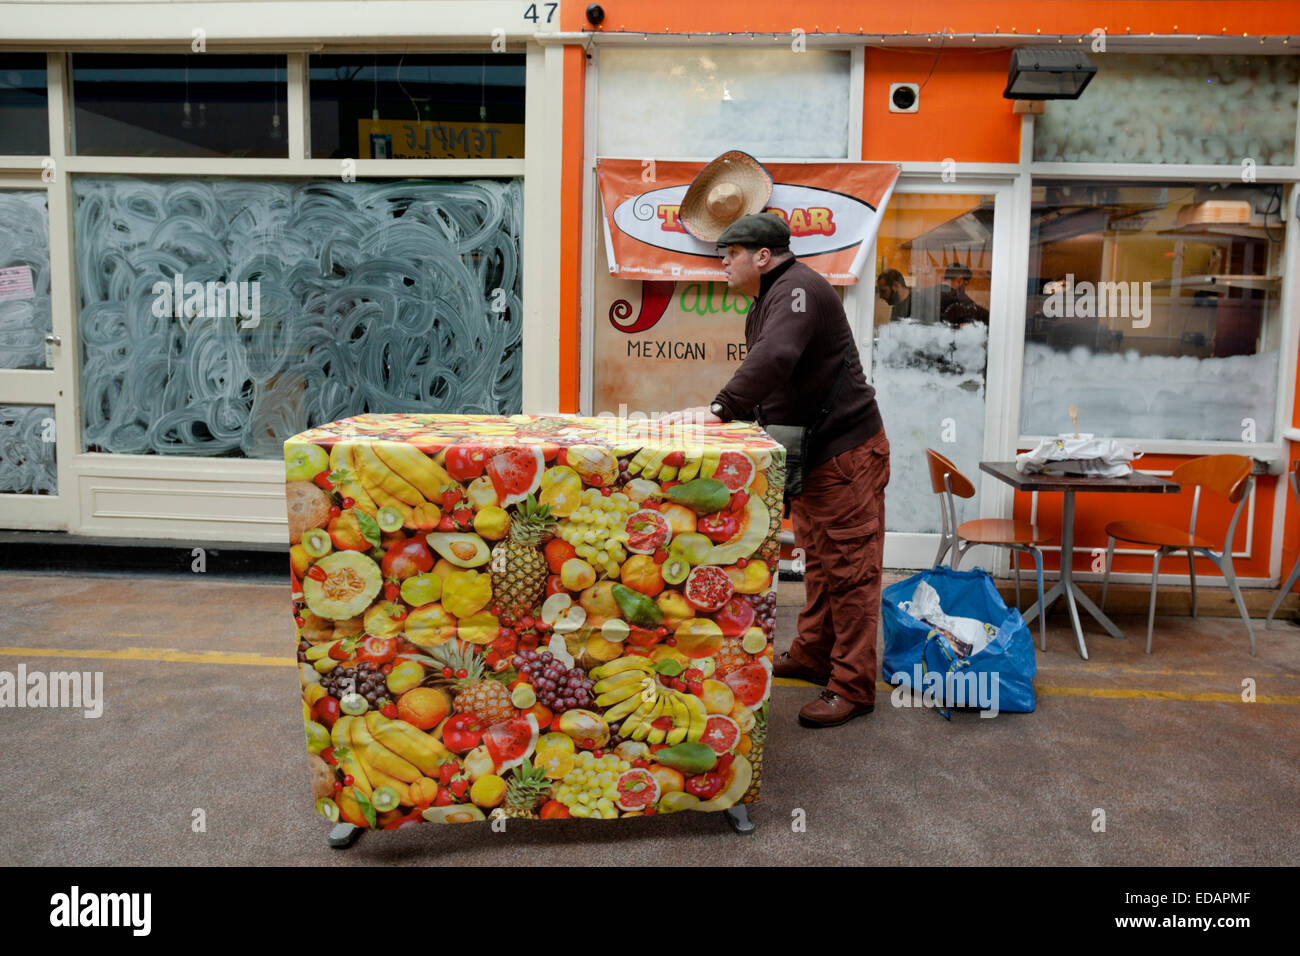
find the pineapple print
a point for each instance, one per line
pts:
(518, 568)
(770, 550)
(487, 699)
(731, 656)
(544, 427)
(758, 735)
(526, 788)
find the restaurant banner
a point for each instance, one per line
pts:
(833, 210)
(660, 346)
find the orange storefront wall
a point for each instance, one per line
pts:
(575, 73)
(963, 93)
(1291, 529)
(1012, 17)
(964, 117)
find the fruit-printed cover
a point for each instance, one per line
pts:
(532, 616)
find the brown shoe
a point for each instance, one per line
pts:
(786, 666)
(831, 710)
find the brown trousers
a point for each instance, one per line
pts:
(839, 521)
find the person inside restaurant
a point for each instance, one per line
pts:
(956, 307)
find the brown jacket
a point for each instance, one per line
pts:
(796, 336)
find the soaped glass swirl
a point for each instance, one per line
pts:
(373, 297)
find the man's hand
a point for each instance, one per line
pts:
(699, 415)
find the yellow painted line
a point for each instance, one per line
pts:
(1234, 677)
(1110, 693)
(154, 654)
(791, 682)
(170, 655)
(1121, 693)
(1115, 668)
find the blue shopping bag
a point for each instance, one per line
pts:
(998, 677)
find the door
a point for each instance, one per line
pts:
(939, 312)
(34, 372)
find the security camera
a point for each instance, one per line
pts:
(904, 97)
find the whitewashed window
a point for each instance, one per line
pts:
(934, 266)
(311, 301)
(1186, 109)
(705, 101)
(1155, 308)
(27, 463)
(24, 278)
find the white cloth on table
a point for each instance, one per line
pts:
(1085, 455)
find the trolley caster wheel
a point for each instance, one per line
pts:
(343, 836)
(738, 818)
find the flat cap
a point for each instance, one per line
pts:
(759, 231)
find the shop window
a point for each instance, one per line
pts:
(24, 100)
(24, 278)
(934, 260)
(1221, 109)
(417, 106)
(703, 102)
(1154, 308)
(299, 303)
(202, 104)
(27, 462)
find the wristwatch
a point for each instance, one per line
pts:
(717, 408)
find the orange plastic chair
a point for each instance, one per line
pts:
(1295, 569)
(1227, 476)
(946, 481)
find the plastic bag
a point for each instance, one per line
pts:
(999, 677)
(966, 634)
(1085, 455)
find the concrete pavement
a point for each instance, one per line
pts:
(201, 713)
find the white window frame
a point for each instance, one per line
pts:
(1274, 454)
(204, 500)
(592, 218)
(1289, 176)
(908, 549)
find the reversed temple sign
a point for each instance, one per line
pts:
(406, 140)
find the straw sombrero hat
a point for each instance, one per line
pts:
(733, 185)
